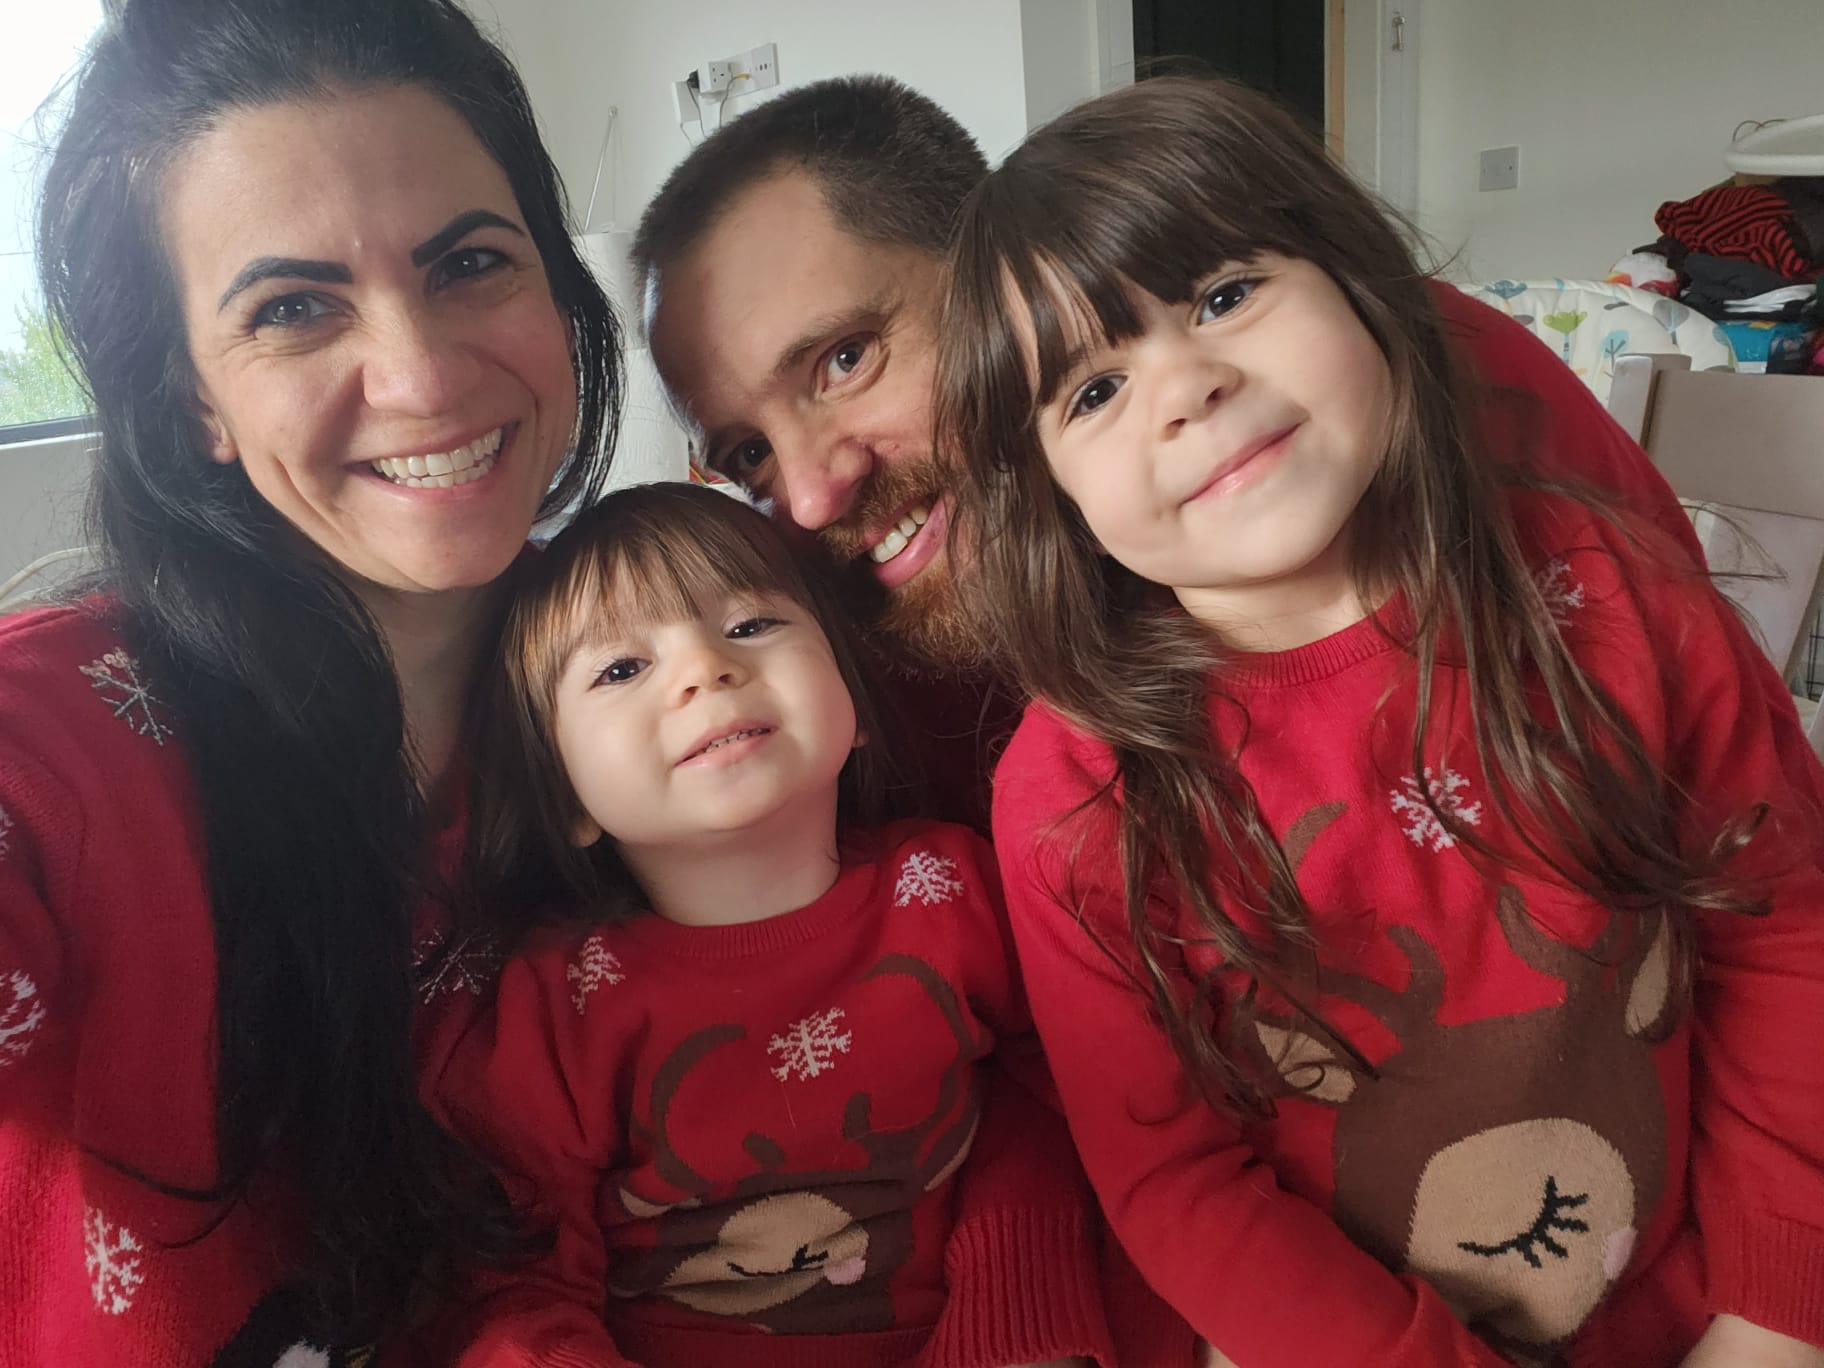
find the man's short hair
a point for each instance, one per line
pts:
(894, 168)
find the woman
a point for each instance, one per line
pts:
(313, 259)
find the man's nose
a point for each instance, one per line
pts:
(414, 364)
(819, 477)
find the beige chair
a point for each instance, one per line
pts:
(1746, 454)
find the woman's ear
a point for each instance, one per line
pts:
(222, 447)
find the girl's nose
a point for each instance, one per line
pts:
(707, 666)
(1191, 383)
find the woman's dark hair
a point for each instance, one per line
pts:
(1158, 186)
(289, 709)
(652, 552)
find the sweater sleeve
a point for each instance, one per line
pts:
(1733, 742)
(1263, 1275)
(31, 955)
(505, 1088)
(1021, 1264)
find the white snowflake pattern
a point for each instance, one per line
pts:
(592, 968)
(20, 1018)
(1563, 595)
(809, 1047)
(1423, 827)
(469, 966)
(932, 879)
(115, 676)
(111, 1254)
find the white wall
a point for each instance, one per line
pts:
(1617, 105)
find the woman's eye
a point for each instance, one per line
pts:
(751, 627)
(289, 311)
(620, 671)
(845, 360)
(1225, 298)
(1094, 395)
(468, 262)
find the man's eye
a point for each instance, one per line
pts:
(744, 458)
(751, 627)
(1094, 395)
(1225, 298)
(620, 671)
(845, 360)
(468, 262)
(289, 311)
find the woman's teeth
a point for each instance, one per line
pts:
(895, 541)
(442, 469)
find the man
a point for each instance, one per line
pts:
(793, 265)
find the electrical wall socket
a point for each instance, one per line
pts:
(761, 65)
(1500, 168)
(755, 69)
(713, 77)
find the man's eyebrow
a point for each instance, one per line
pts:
(456, 229)
(820, 330)
(335, 273)
(265, 268)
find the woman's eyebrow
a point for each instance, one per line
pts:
(335, 273)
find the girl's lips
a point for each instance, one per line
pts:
(919, 552)
(728, 746)
(1245, 466)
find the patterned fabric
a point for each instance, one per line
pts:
(745, 1135)
(107, 1034)
(1748, 222)
(1542, 1144)
(1588, 323)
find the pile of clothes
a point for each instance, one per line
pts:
(1748, 255)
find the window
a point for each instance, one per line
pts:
(38, 395)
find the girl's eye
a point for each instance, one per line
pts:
(289, 311)
(466, 263)
(1094, 395)
(620, 671)
(1225, 298)
(845, 360)
(751, 627)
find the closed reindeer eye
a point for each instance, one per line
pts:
(1552, 1219)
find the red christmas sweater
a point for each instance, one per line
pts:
(1546, 1149)
(107, 1033)
(745, 1136)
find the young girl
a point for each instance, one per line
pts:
(1415, 867)
(738, 1093)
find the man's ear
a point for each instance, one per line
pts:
(222, 447)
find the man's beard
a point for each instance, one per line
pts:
(922, 625)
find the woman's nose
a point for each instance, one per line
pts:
(416, 365)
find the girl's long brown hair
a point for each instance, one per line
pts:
(1157, 186)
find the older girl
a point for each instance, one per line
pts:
(1415, 867)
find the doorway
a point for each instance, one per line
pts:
(1273, 45)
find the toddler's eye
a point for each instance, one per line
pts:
(751, 627)
(1225, 297)
(1094, 395)
(620, 671)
